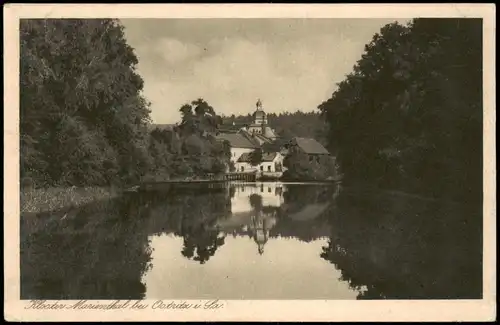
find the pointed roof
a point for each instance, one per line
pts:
(266, 157)
(250, 137)
(263, 138)
(245, 157)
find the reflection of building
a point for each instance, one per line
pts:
(260, 229)
(271, 194)
(266, 210)
(253, 208)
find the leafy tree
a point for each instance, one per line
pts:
(202, 108)
(301, 166)
(409, 115)
(256, 157)
(199, 117)
(82, 118)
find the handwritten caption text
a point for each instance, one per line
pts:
(123, 304)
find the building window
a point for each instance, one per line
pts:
(269, 168)
(269, 190)
(261, 168)
(242, 168)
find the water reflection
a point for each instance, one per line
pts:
(406, 247)
(97, 252)
(254, 241)
(252, 260)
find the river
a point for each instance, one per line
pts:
(255, 241)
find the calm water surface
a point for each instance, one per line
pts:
(255, 241)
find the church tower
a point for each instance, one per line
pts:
(259, 125)
(260, 232)
(259, 116)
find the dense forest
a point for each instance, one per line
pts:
(409, 116)
(83, 119)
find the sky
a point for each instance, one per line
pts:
(290, 64)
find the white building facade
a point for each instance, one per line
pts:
(271, 163)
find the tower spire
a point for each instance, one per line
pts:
(259, 104)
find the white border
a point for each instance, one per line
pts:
(403, 310)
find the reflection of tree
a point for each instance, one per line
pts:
(99, 251)
(191, 213)
(298, 196)
(398, 247)
(198, 215)
(256, 202)
(200, 242)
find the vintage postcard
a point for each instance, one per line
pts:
(254, 162)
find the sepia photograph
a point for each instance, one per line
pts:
(184, 163)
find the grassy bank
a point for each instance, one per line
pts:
(51, 199)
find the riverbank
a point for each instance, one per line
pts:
(56, 198)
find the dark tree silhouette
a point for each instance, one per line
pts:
(83, 120)
(410, 113)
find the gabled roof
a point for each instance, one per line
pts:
(245, 157)
(250, 137)
(269, 156)
(310, 146)
(266, 157)
(277, 145)
(263, 138)
(237, 140)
